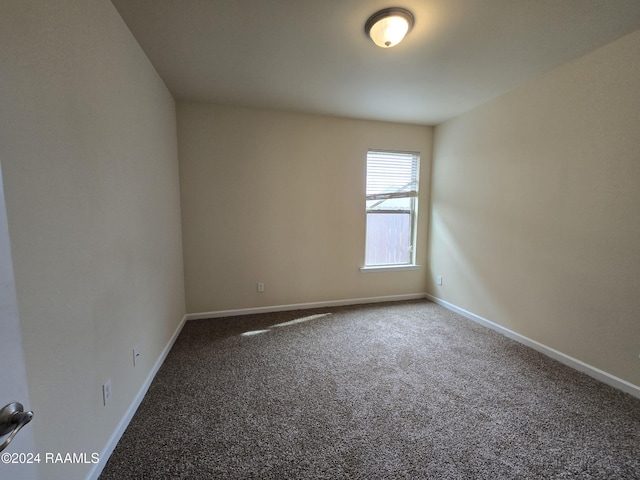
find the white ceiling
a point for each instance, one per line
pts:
(313, 55)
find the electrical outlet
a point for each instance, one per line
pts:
(106, 391)
(260, 287)
(439, 279)
(136, 355)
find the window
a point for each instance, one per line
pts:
(391, 205)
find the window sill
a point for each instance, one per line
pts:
(388, 268)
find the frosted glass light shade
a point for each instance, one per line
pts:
(388, 27)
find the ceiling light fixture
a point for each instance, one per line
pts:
(388, 27)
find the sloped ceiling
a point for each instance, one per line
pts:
(313, 55)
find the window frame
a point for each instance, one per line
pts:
(413, 194)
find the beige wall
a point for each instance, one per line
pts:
(535, 218)
(89, 156)
(279, 198)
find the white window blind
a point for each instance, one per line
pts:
(391, 174)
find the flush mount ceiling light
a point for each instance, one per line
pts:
(388, 27)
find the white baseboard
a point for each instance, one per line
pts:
(550, 352)
(303, 306)
(97, 468)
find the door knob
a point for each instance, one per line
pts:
(12, 419)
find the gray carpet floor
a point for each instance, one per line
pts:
(403, 390)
